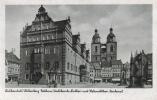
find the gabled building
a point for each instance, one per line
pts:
(50, 52)
(12, 66)
(116, 70)
(106, 74)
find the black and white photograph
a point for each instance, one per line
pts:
(78, 46)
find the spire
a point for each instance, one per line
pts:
(131, 59)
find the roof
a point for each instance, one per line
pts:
(110, 36)
(105, 64)
(116, 62)
(11, 57)
(96, 65)
(61, 23)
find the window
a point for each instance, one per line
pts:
(27, 66)
(47, 27)
(43, 37)
(48, 37)
(33, 38)
(52, 37)
(76, 68)
(68, 65)
(56, 65)
(46, 50)
(47, 66)
(26, 76)
(54, 50)
(38, 50)
(56, 35)
(71, 67)
(35, 50)
(37, 38)
(96, 48)
(111, 48)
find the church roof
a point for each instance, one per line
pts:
(41, 9)
(116, 62)
(96, 35)
(111, 36)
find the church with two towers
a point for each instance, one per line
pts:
(103, 53)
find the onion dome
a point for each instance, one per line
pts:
(96, 37)
(111, 37)
(41, 10)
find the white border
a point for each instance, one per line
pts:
(131, 94)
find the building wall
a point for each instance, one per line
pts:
(116, 70)
(106, 73)
(13, 71)
(92, 74)
(111, 53)
(12, 67)
(73, 63)
(52, 54)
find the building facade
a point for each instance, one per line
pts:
(50, 52)
(106, 74)
(116, 70)
(12, 66)
(92, 74)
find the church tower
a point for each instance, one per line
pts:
(95, 47)
(111, 46)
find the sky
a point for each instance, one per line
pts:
(132, 24)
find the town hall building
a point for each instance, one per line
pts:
(50, 52)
